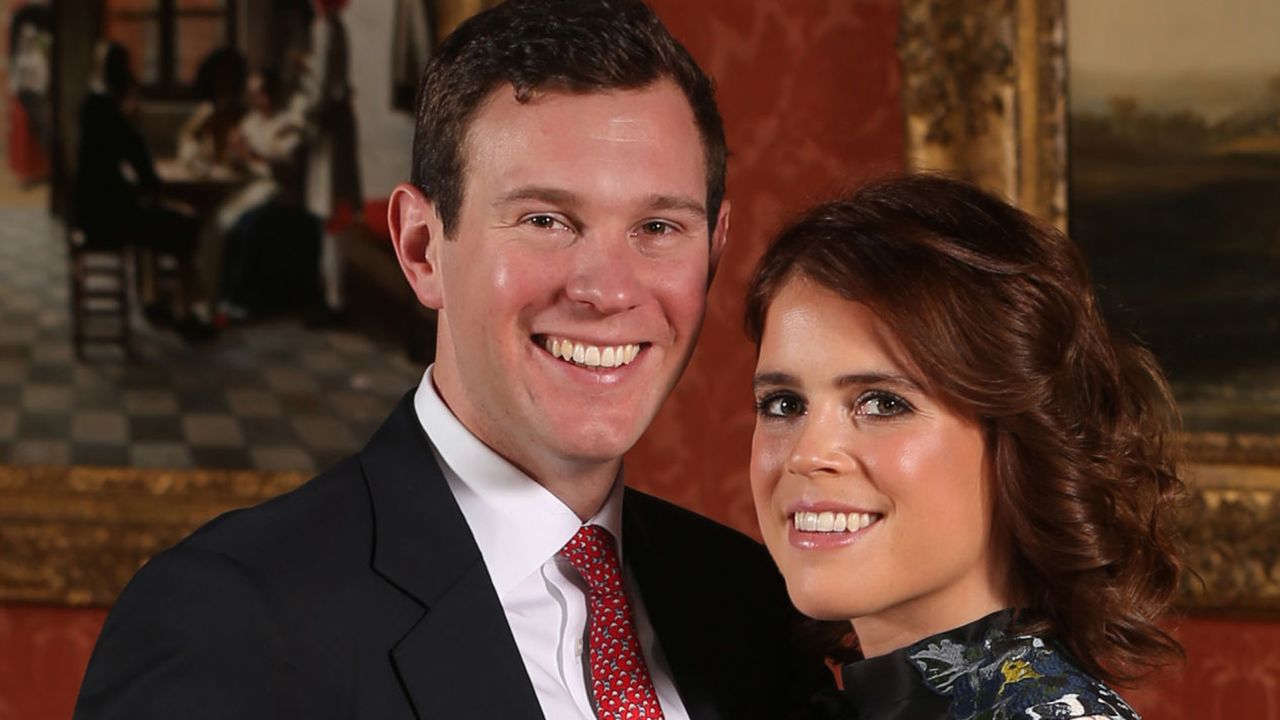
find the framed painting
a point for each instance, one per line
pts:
(271, 403)
(1150, 130)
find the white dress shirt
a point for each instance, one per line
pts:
(520, 527)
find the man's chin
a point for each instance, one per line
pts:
(596, 451)
(598, 443)
(595, 427)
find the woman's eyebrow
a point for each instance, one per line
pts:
(877, 378)
(775, 378)
(770, 379)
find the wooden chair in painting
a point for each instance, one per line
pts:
(99, 292)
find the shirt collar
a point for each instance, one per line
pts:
(517, 523)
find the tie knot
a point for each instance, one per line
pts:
(593, 554)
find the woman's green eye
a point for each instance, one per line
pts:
(882, 404)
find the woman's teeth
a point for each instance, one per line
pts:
(592, 356)
(832, 521)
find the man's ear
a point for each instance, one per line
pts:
(719, 237)
(416, 235)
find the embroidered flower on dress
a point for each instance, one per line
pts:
(1013, 678)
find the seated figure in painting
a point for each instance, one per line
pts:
(956, 455)
(116, 196)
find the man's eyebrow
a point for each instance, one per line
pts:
(556, 196)
(559, 196)
(677, 202)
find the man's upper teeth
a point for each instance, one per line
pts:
(833, 521)
(592, 355)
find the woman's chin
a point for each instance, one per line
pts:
(821, 603)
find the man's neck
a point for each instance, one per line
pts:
(582, 485)
(583, 489)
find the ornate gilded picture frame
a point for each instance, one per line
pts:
(74, 536)
(985, 95)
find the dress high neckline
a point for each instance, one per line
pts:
(890, 686)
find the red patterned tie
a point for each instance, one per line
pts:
(619, 679)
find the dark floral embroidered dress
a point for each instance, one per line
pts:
(975, 672)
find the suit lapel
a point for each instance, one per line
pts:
(460, 659)
(666, 600)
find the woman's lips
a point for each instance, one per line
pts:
(814, 529)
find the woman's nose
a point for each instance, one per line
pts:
(822, 446)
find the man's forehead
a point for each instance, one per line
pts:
(509, 100)
(657, 115)
(624, 128)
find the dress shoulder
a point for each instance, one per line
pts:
(1020, 677)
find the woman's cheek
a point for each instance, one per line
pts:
(761, 460)
(766, 451)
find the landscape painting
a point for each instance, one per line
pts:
(1174, 157)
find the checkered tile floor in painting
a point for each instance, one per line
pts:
(269, 396)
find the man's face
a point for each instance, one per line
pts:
(574, 285)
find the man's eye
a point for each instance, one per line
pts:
(544, 222)
(780, 405)
(657, 227)
(882, 404)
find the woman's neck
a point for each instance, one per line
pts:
(908, 623)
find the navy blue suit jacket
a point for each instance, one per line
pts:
(362, 594)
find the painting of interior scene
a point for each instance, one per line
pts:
(195, 265)
(1175, 177)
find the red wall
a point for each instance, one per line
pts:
(810, 94)
(43, 653)
(1232, 673)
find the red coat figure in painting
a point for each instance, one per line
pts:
(29, 81)
(333, 166)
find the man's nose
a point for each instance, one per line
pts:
(606, 275)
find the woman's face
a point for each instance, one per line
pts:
(872, 496)
(259, 98)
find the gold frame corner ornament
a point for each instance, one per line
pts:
(1231, 530)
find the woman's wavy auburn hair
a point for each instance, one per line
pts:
(997, 312)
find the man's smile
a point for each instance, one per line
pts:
(590, 355)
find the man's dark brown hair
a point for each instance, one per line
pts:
(576, 46)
